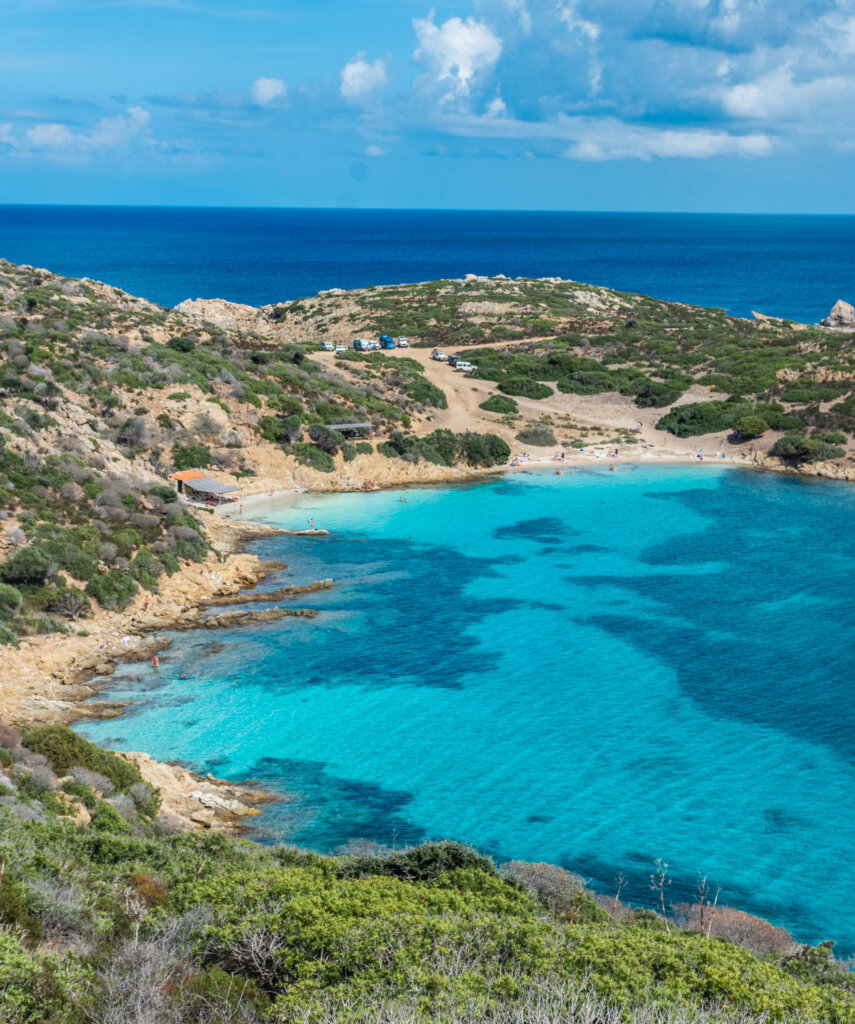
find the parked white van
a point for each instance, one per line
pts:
(464, 367)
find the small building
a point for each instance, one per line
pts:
(352, 429)
(183, 476)
(195, 486)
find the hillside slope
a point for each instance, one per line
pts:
(107, 915)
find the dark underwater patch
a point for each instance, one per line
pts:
(545, 530)
(323, 810)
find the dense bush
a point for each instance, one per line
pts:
(191, 456)
(113, 589)
(312, 455)
(500, 403)
(27, 567)
(525, 387)
(750, 425)
(541, 436)
(796, 447)
(64, 749)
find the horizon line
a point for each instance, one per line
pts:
(420, 209)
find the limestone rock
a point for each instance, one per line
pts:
(229, 315)
(841, 317)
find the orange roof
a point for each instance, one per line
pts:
(187, 474)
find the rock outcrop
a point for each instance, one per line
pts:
(194, 801)
(841, 317)
(232, 316)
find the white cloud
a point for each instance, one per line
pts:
(496, 107)
(456, 51)
(375, 151)
(569, 14)
(267, 90)
(609, 138)
(359, 79)
(777, 96)
(58, 142)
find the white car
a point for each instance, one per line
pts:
(439, 355)
(464, 367)
(402, 343)
(340, 348)
(327, 346)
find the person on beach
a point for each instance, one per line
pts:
(155, 662)
(311, 524)
(147, 601)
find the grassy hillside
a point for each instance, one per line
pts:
(102, 395)
(107, 916)
(586, 340)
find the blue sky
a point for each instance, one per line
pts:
(732, 105)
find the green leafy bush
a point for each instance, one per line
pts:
(501, 404)
(27, 567)
(751, 426)
(312, 455)
(541, 436)
(113, 589)
(191, 456)
(65, 749)
(525, 387)
(796, 447)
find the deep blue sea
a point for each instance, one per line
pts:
(794, 267)
(598, 669)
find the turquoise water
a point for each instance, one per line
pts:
(597, 669)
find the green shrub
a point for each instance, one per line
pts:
(181, 344)
(191, 456)
(654, 395)
(65, 749)
(10, 600)
(27, 567)
(525, 387)
(751, 426)
(796, 447)
(113, 589)
(167, 494)
(501, 404)
(312, 455)
(364, 448)
(178, 396)
(81, 792)
(105, 818)
(541, 436)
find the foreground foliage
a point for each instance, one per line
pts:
(123, 920)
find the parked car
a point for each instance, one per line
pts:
(327, 346)
(439, 355)
(361, 344)
(340, 348)
(386, 341)
(403, 343)
(453, 360)
(464, 367)
(373, 346)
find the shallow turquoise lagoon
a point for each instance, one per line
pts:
(598, 669)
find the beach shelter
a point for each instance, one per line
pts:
(203, 488)
(183, 476)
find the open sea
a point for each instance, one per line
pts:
(598, 669)
(795, 267)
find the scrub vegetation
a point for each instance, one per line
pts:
(108, 915)
(103, 395)
(587, 340)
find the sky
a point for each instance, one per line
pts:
(701, 105)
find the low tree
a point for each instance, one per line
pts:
(751, 425)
